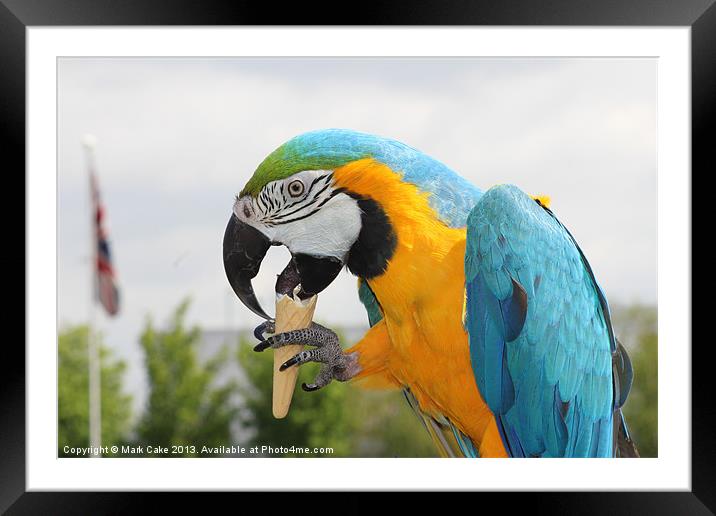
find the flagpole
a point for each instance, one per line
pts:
(95, 394)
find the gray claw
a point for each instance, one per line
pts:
(265, 327)
(309, 388)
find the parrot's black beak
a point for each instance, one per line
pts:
(244, 248)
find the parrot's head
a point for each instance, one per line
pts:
(293, 199)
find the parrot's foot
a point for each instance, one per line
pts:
(337, 365)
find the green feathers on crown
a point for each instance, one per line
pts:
(316, 150)
(452, 196)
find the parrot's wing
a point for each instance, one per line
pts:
(541, 340)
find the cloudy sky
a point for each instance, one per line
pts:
(178, 138)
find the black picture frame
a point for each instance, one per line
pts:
(17, 15)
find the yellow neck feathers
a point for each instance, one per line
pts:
(424, 243)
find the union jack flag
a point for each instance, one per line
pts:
(106, 288)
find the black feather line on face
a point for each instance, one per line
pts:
(277, 219)
(274, 222)
(297, 201)
(292, 204)
(333, 194)
(284, 215)
(314, 182)
(321, 191)
(271, 198)
(259, 203)
(302, 203)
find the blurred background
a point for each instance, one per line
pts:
(178, 138)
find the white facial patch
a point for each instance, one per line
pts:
(331, 231)
(306, 213)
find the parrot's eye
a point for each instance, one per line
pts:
(295, 188)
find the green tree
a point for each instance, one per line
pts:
(73, 394)
(637, 327)
(388, 426)
(185, 406)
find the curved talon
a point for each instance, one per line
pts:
(300, 358)
(261, 346)
(278, 340)
(309, 388)
(264, 327)
(287, 364)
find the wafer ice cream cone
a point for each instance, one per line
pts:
(291, 314)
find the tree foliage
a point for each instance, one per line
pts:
(73, 392)
(388, 426)
(638, 327)
(185, 407)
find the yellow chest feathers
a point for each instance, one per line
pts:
(421, 294)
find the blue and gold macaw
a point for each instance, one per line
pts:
(482, 307)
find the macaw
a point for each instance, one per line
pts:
(482, 307)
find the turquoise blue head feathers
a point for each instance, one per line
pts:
(327, 149)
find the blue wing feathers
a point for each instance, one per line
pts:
(494, 383)
(556, 431)
(514, 311)
(540, 333)
(466, 445)
(512, 443)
